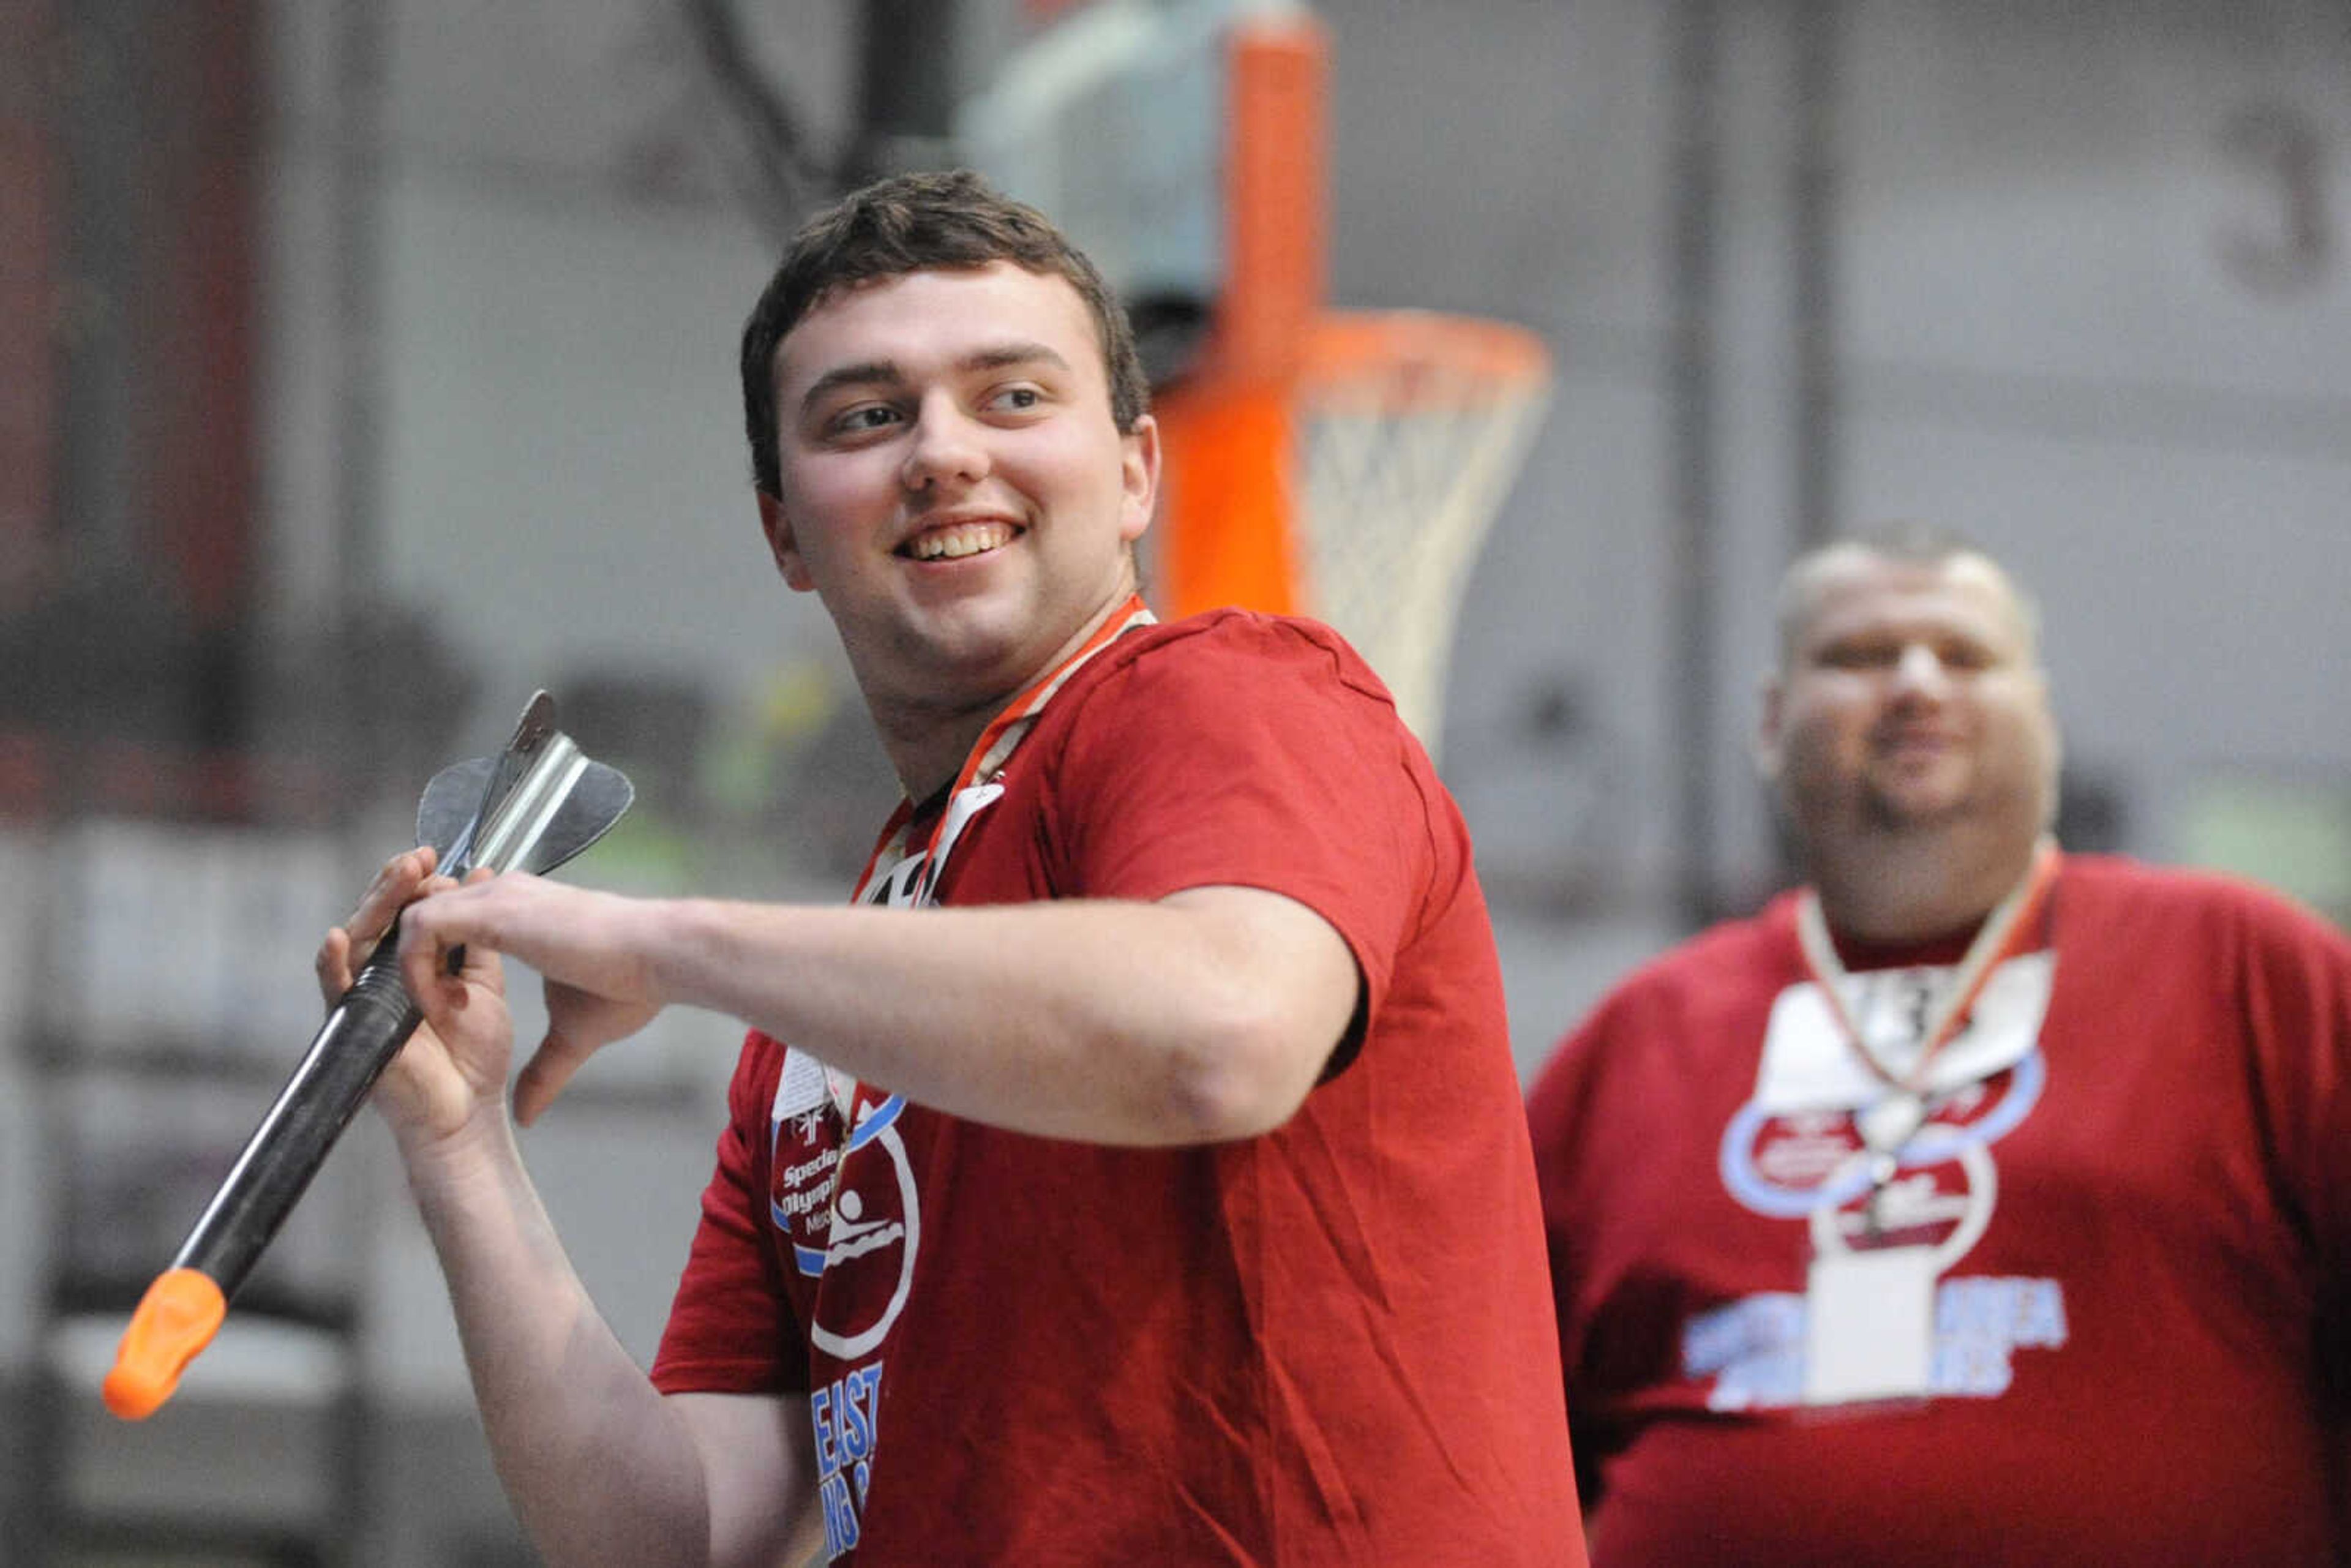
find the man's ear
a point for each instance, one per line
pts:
(1767, 748)
(783, 545)
(1139, 477)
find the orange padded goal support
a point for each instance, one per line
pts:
(1224, 533)
(1225, 530)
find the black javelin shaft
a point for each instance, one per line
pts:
(532, 808)
(366, 1029)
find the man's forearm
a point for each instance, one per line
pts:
(596, 1468)
(1206, 1015)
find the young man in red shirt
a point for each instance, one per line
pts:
(1135, 1172)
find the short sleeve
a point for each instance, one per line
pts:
(731, 1328)
(1254, 752)
(1561, 1135)
(2298, 997)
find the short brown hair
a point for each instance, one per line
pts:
(1904, 543)
(915, 223)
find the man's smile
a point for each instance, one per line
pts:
(956, 541)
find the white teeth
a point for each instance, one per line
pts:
(963, 539)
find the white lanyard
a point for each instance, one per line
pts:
(1889, 1123)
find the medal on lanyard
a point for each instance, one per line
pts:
(1870, 1312)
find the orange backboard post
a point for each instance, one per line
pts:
(1226, 535)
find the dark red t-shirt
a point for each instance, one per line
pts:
(2130, 1361)
(1329, 1345)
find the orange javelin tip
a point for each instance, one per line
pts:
(176, 1319)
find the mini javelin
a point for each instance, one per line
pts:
(532, 806)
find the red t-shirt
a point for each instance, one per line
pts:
(2130, 1361)
(1329, 1345)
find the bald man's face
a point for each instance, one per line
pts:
(1911, 698)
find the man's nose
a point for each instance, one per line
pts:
(946, 446)
(1920, 671)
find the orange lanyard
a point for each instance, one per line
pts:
(975, 786)
(2005, 932)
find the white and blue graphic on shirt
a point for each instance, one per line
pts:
(1754, 1348)
(1795, 1150)
(845, 1412)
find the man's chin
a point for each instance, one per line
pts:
(965, 630)
(979, 655)
(1915, 810)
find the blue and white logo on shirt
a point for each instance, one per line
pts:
(1795, 1150)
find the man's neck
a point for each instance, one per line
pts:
(927, 752)
(1913, 888)
(929, 742)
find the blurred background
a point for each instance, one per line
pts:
(365, 366)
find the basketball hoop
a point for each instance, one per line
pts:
(1344, 465)
(1409, 428)
(1358, 491)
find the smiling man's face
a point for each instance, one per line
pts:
(952, 484)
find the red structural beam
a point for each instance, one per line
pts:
(201, 261)
(28, 293)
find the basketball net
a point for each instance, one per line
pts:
(1410, 429)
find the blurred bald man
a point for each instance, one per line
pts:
(1974, 1203)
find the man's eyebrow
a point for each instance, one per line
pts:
(887, 372)
(999, 356)
(864, 374)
